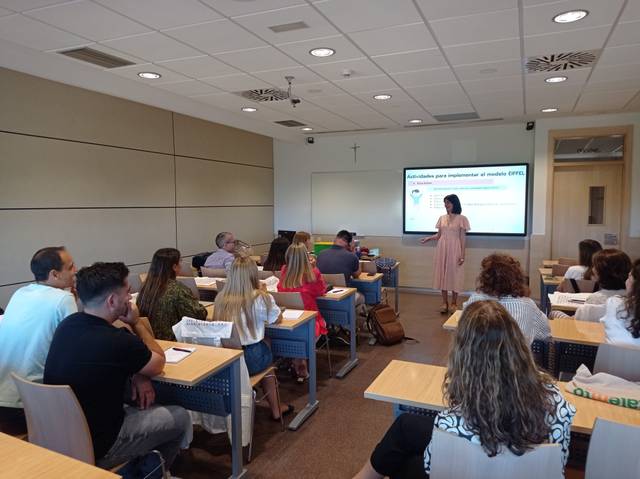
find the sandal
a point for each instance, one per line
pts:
(284, 413)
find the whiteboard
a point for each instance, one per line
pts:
(366, 202)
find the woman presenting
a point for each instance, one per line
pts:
(449, 262)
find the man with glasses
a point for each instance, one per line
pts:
(222, 258)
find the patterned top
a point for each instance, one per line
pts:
(176, 302)
(560, 426)
(533, 322)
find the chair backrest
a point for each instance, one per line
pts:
(266, 274)
(584, 286)
(559, 269)
(277, 274)
(454, 457)
(621, 361)
(219, 285)
(55, 419)
(289, 300)
(369, 266)
(143, 277)
(185, 269)
(209, 338)
(568, 261)
(334, 279)
(613, 451)
(213, 272)
(134, 283)
(189, 282)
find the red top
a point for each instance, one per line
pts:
(309, 293)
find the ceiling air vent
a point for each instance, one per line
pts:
(96, 57)
(472, 115)
(288, 27)
(561, 61)
(289, 123)
(264, 94)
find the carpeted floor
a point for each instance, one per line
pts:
(339, 437)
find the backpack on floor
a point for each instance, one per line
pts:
(384, 325)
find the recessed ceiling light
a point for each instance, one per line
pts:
(548, 110)
(383, 96)
(322, 52)
(149, 75)
(416, 121)
(249, 109)
(559, 79)
(570, 16)
(306, 128)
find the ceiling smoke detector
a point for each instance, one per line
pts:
(562, 61)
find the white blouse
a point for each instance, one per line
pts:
(262, 315)
(594, 307)
(575, 272)
(616, 321)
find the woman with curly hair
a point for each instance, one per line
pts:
(622, 316)
(495, 395)
(501, 279)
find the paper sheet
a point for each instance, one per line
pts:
(336, 291)
(204, 281)
(173, 356)
(292, 313)
(573, 299)
(272, 283)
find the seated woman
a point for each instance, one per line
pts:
(163, 299)
(610, 269)
(501, 279)
(243, 302)
(497, 407)
(622, 316)
(275, 258)
(305, 238)
(298, 276)
(584, 270)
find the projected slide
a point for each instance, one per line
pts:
(493, 198)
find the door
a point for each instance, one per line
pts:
(587, 203)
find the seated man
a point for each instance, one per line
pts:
(223, 257)
(32, 316)
(97, 360)
(340, 259)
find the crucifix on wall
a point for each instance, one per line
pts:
(355, 152)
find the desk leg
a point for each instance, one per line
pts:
(312, 403)
(236, 422)
(396, 281)
(353, 359)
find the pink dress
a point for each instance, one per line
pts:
(448, 275)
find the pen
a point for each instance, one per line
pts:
(182, 350)
(337, 291)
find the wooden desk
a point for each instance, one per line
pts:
(451, 324)
(569, 330)
(21, 459)
(365, 278)
(369, 286)
(548, 285)
(392, 281)
(340, 309)
(548, 263)
(420, 386)
(208, 381)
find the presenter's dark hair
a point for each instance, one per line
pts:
(97, 281)
(45, 260)
(455, 201)
(345, 236)
(612, 267)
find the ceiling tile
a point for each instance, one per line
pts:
(538, 19)
(495, 106)
(371, 122)
(200, 67)
(437, 9)
(37, 35)
(360, 67)
(398, 97)
(489, 85)
(620, 72)
(408, 62)
(301, 76)
(4, 12)
(480, 52)
(89, 20)
(397, 39)
(152, 47)
(228, 101)
(367, 84)
(359, 109)
(571, 41)
(132, 71)
(159, 14)
(438, 95)
(239, 82)
(462, 107)
(341, 101)
(574, 77)
(216, 37)
(481, 71)
(189, 88)
(258, 59)
(318, 91)
(477, 28)
(561, 97)
(613, 85)
(300, 50)
(232, 8)
(24, 5)
(625, 33)
(356, 15)
(424, 77)
(631, 11)
(259, 24)
(620, 55)
(634, 104)
(604, 100)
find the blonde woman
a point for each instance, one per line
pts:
(243, 302)
(298, 276)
